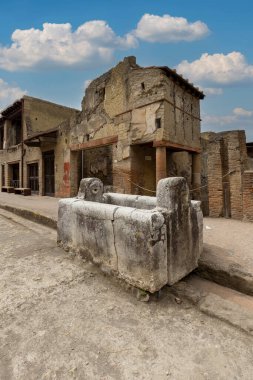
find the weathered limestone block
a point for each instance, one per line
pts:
(129, 200)
(141, 245)
(145, 202)
(126, 200)
(65, 225)
(147, 241)
(197, 227)
(183, 227)
(91, 189)
(94, 233)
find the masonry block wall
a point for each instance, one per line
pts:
(226, 189)
(131, 108)
(37, 118)
(7, 158)
(41, 115)
(214, 173)
(248, 196)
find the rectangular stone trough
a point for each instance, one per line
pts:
(147, 241)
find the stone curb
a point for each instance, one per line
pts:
(31, 215)
(226, 272)
(214, 306)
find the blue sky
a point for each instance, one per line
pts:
(50, 49)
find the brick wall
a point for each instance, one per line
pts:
(235, 149)
(225, 160)
(248, 196)
(215, 188)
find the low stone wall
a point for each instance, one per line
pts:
(147, 241)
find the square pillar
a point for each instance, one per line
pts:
(161, 167)
(196, 175)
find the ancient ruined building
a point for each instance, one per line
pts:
(227, 175)
(34, 147)
(137, 126)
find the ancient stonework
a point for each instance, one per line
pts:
(138, 125)
(147, 241)
(227, 183)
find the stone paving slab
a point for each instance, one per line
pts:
(228, 244)
(63, 319)
(217, 301)
(228, 253)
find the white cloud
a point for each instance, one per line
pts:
(8, 94)
(212, 90)
(239, 118)
(218, 68)
(92, 43)
(242, 112)
(57, 45)
(208, 120)
(166, 28)
(238, 115)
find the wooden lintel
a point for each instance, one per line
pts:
(32, 143)
(179, 147)
(48, 139)
(95, 143)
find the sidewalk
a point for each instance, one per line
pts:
(228, 253)
(39, 209)
(228, 244)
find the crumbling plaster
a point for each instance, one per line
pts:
(128, 99)
(136, 106)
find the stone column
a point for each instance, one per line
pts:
(7, 126)
(161, 170)
(196, 174)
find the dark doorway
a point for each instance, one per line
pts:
(33, 177)
(3, 175)
(97, 162)
(143, 169)
(226, 200)
(14, 175)
(48, 158)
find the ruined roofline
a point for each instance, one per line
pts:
(48, 102)
(224, 132)
(18, 103)
(131, 61)
(14, 107)
(171, 73)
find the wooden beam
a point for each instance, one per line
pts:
(94, 143)
(33, 143)
(176, 146)
(48, 139)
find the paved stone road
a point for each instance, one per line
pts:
(62, 319)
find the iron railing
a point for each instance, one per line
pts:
(14, 183)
